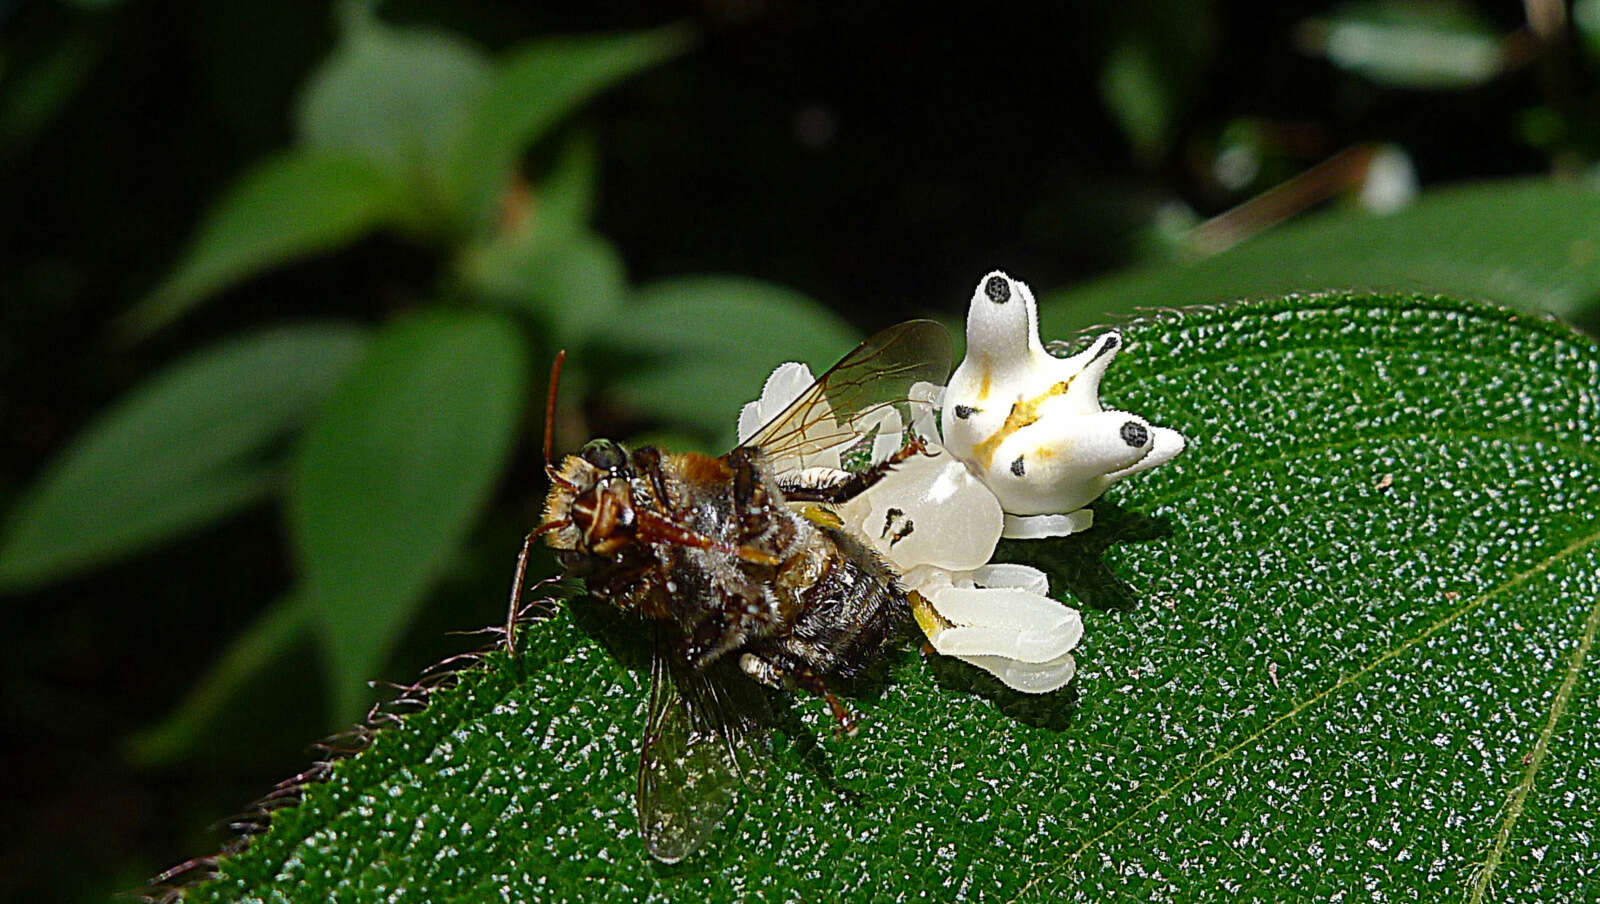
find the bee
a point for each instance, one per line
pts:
(741, 569)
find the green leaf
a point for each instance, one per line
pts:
(546, 263)
(708, 343)
(1435, 45)
(571, 286)
(181, 451)
(564, 200)
(391, 476)
(176, 735)
(1133, 90)
(1530, 244)
(1161, 48)
(33, 97)
(1344, 644)
(532, 89)
(396, 96)
(287, 207)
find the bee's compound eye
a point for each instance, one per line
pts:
(604, 454)
(1135, 434)
(998, 289)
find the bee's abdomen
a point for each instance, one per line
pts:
(847, 617)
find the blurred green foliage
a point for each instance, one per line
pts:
(1533, 244)
(403, 223)
(410, 129)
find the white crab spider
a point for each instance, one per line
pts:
(1031, 424)
(1026, 446)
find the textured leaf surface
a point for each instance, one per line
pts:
(1530, 244)
(179, 452)
(1341, 649)
(388, 480)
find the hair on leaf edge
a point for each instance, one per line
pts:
(172, 884)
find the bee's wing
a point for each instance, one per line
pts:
(699, 745)
(860, 389)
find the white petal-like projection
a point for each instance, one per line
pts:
(1004, 621)
(1028, 677)
(929, 511)
(1023, 638)
(787, 382)
(1005, 574)
(887, 430)
(925, 400)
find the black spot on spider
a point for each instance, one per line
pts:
(998, 290)
(1135, 434)
(1109, 344)
(1016, 466)
(888, 521)
(964, 411)
(903, 533)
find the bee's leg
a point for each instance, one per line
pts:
(760, 670)
(845, 490)
(514, 608)
(647, 461)
(813, 682)
(653, 527)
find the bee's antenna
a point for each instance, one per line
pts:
(550, 411)
(515, 606)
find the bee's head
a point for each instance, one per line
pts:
(592, 495)
(607, 456)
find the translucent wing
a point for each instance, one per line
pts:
(870, 389)
(700, 744)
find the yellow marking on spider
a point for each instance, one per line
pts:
(822, 517)
(928, 618)
(1021, 415)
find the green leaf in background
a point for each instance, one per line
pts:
(32, 98)
(1343, 647)
(564, 200)
(396, 96)
(290, 206)
(532, 89)
(708, 344)
(177, 735)
(571, 286)
(387, 482)
(1431, 45)
(1533, 244)
(1154, 66)
(1586, 16)
(1132, 88)
(179, 452)
(545, 262)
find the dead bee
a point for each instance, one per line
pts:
(732, 559)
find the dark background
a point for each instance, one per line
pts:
(869, 155)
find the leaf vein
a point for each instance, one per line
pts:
(1345, 680)
(1519, 797)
